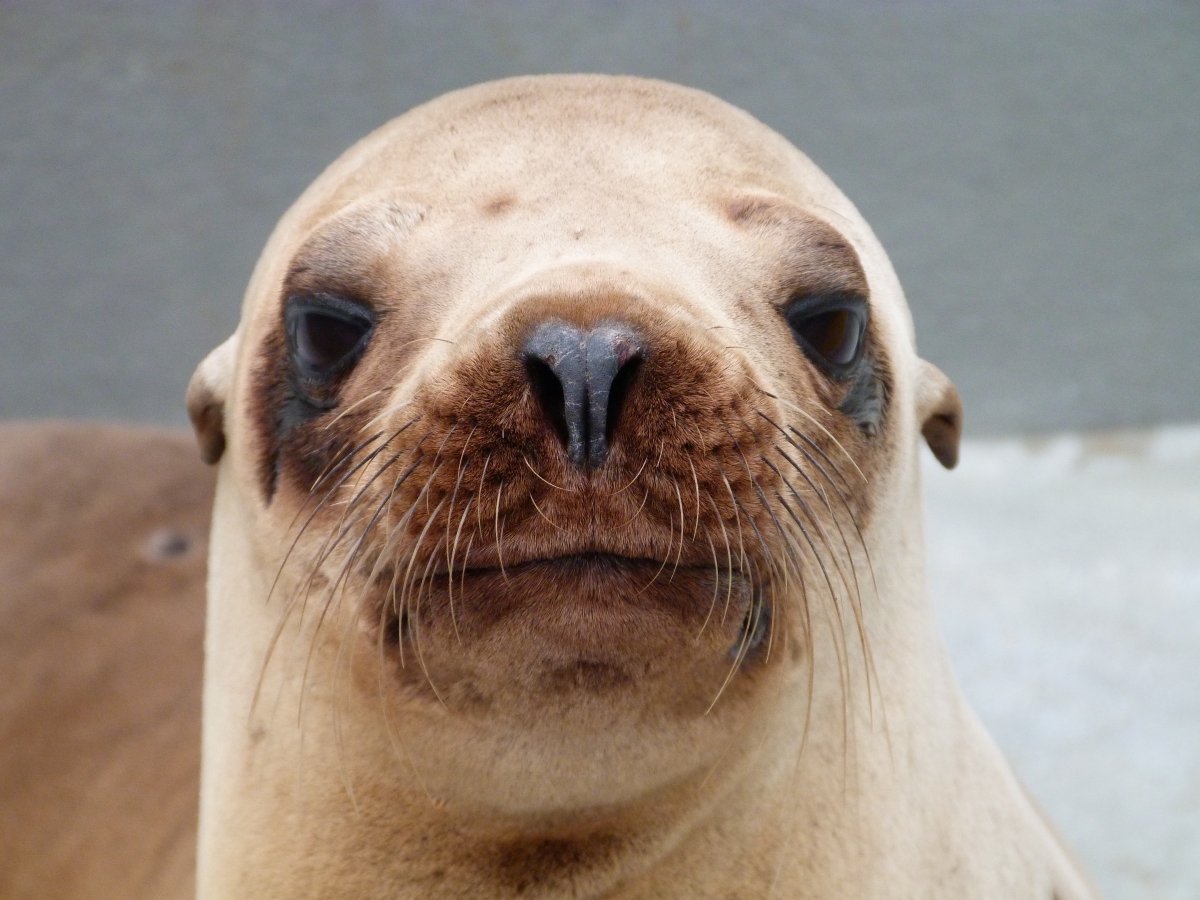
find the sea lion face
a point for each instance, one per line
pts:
(564, 409)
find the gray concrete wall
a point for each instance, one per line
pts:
(1033, 168)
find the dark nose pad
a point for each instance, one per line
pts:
(581, 379)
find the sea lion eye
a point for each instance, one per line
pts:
(326, 334)
(830, 330)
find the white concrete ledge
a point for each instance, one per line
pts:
(1066, 573)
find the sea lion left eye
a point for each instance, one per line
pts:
(325, 337)
(830, 331)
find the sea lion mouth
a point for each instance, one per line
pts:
(599, 578)
(612, 597)
(592, 563)
(584, 624)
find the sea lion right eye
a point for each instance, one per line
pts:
(326, 335)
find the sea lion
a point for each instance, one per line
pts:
(103, 533)
(567, 538)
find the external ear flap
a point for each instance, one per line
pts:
(206, 396)
(940, 412)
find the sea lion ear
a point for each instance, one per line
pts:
(206, 395)
(940, 412)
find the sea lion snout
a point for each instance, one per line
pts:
(582, 467)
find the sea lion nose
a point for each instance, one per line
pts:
(580, 378)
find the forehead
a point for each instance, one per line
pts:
(553, 162)
(582, 142)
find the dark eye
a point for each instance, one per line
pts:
(326, 334)
(830, 330)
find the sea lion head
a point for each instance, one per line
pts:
(563, 413)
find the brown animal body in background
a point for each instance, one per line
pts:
(103, 538)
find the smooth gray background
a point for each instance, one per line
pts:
(1033, 168)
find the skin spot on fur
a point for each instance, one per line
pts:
(532, 865)
(499, 205)
(167, 545)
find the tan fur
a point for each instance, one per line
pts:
(446, 662)
(103, 534)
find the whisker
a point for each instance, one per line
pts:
(856, 595)
(841, 497)
(463, 463)
(413, 602)
(394, 408)
(356, 403)
(330, 467)
(482, 482)
(544, 480)
(341, 527)
(450, 566)
(543, 515)
(398, 604)
(682, 534)
(304, 587)
(340, 458)
(499, 528)
(846, 503)
(789, 549)
(696, 482)
(399, 748)
(728, 556)
(765, 505)
(810, 418)
(629, 521)
(740, 655)
(633, 479)
(737, 516)
(666, 557)
(462, 583)
(716, 585)
(342, 580)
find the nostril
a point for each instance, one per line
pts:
(614, 352)
(617, 394)
(548, 390)
(556, 365)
